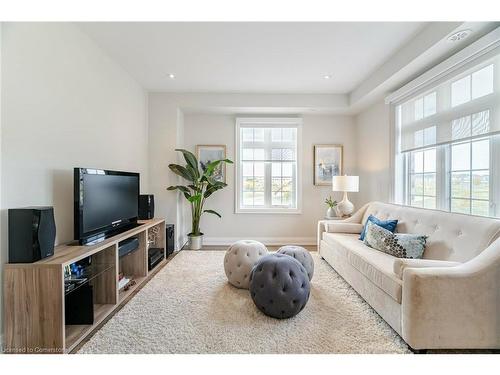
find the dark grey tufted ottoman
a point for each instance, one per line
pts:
(302, 255)
(279, 286)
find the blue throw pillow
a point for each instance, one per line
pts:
(390, 225)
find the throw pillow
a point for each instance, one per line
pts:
(390, 225)
(400, 245)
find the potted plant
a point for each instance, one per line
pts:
(331, 212)
(201, 186)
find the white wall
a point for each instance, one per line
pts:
(374, 155)
(165, 135)
(173, 124)
(64, 104)
(275, 228)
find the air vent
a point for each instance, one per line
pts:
(459, 35)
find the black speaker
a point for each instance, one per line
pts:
(79, 306)
(32, 233)
(146, 207)
(170, 239)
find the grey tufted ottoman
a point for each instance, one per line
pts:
(240, 259)
(302, 255)
(279, 286)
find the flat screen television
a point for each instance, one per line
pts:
(106, 203)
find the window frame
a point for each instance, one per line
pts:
(470, 171)
(444, 171)
(267, 122)
(410, 174)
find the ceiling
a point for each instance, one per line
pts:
(252, 57)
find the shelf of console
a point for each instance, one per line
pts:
(34, 297)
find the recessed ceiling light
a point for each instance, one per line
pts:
(459, 35)
(327, 76)
(171, 76)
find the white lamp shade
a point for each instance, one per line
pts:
(345, 183)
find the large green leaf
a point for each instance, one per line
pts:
(210, 168)
(211, 180)
(181, 171)
(210, 191)
(195, 198)
(213, 188)
(183, 189)
(190, 160)
(212, 212)
(179, 187)
(193, 172)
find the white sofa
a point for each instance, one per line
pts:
(450, 299)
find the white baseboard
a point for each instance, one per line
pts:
(270, 241)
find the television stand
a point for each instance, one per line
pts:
(34, 293)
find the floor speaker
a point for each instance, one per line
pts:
(170, 239)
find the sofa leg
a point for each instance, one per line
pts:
(418, 351)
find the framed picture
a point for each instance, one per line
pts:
(328, 160)
(209, 153)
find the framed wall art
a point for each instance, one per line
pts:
(209, 153)
(328, 162)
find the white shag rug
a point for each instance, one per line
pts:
(189, 307)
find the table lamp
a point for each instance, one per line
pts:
(345, 184)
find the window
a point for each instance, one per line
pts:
(472, 86)
(268, 165)
(470, 177)
(422, 178)
(448, 139)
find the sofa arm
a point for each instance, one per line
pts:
(453, 307)
(355, 218)
(400, 264)
(341, 227)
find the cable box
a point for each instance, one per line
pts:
(125, 247)
(155, 256)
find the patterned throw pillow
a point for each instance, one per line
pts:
(387, 224)
(399, 245)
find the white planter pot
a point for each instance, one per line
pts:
(331, 212)
(195, 242)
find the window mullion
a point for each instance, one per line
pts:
(267, 168)
(494, 175)
(441, 179)
(470, 173)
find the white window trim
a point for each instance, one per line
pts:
(296, 122)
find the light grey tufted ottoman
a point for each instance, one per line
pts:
(240, 259)
(302, 255)
(279, 286)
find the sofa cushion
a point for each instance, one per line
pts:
(390, 225)
(401, 264)
(400, 245)
(378, 267)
